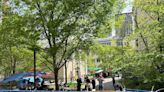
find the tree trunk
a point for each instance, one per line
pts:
(158, 19)
(5, 73)
(11, 61)
(56, 79)
(14, 66)
(145, 43)
(65, 71)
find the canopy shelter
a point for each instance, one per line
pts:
(99, 71)
(43, 75)
(14, 77)
(31, 78)
(94, 69)
(18, 76)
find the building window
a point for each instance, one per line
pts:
(119, 43)
(98, 60)
(109, 43)
(137, 42)
(106, 42)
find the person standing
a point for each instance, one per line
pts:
(93, 84)
(100, 80)
(114, 83)
(79, 84)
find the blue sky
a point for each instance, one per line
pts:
(128, 7)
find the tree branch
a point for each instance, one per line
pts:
(66, 37)
(48, 66)
(43, 23)
(46, 59)
(69, 55)
(145, 43)
(64, 52)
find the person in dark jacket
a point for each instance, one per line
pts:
(113, 80)
(42, 87)
(114, 83)
(93, 84)
(79, 84)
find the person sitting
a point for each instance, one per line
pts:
(38, 81)
(118, 87)
(42, 86)
(30, 84)
(88, 85)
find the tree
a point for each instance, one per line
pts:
(144, 64)
(66, 25)
(15, 37)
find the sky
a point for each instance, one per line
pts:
(128, 7)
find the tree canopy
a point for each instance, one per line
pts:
(65, 26)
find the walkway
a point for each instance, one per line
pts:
(108, 86)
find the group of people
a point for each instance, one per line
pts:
(90, 84)
(26, 84)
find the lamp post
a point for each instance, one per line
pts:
(35, 48)
(79, 64)
(34, 68)
(87, 59)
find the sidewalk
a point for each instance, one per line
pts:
(108, 86)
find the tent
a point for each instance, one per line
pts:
(99, 71)
(31, 78)
(18, 76)
(14, 77)
(94, 69)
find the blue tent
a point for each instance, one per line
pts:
(31, 78)
(21, 75)
(14, 77)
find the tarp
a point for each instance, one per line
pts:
(14, 77)
(21, 75)
(31, 78)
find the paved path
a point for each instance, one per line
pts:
(108, 85)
